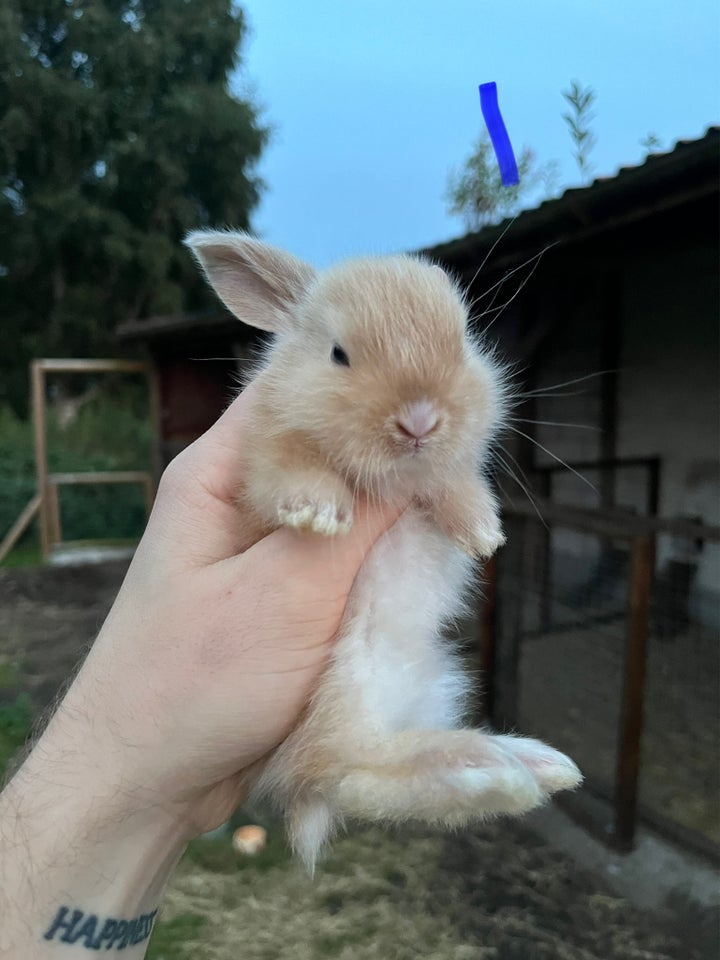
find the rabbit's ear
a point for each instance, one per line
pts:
(258, 283)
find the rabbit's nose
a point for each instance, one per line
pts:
(418, 420)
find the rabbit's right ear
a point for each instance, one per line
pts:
(256, 282)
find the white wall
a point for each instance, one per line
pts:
(670, 392)
(668, 401)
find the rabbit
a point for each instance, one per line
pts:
(373, 383)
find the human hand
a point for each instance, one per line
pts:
(203, 665)
(214, 644)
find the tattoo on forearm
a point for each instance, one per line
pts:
(89, 931)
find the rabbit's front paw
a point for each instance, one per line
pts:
(321, 516)
(469, 515)
(482, 540)
(486, 539)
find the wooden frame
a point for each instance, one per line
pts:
(48, 484)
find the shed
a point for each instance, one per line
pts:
(600, 620)
(599, 624)
(617, 334)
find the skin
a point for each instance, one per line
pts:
(202, 666)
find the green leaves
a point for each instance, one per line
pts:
(477, 194)
(581, 101)
(118, 134)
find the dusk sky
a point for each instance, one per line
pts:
(373, 102)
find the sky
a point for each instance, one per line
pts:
(373, 102)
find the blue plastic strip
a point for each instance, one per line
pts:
(498, 134)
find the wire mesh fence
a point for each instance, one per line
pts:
(601, 636)
(680, 774)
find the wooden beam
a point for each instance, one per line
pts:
(610, 523)
(631, 718)
(19, 527)
(547, 232)
(602, 463)
(100, 476)
(93, 366)
(37, 377)
(53, 513)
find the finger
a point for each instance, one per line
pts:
(317, 565)
(214, 459)
(195, 519)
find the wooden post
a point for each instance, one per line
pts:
(546, 578)
(487, 638)
(631, 717)
(53, 514)
(156, 427)
(149, 487)
(38, 410)
(19, 527)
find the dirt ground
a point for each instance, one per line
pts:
(49, 616)
(679, 772)
(498, 893)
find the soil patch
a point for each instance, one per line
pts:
(498, 893)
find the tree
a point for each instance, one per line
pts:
(477, 193)
(578, 119)
(651, 143)
(117, 134)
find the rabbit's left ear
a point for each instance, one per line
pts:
(258, 283)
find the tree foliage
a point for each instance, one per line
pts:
(578, 119)
(476, 191)
(651, 143)
(118, 133)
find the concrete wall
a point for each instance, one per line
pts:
(670, 395)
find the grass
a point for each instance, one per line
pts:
(15, 714)
(15, 728)
(267, 907)
(173, 939)
(9, 674)
(176, 938)
(333, 945)
(216, 854)
(110, 433)
(496, 894)
(25, 554)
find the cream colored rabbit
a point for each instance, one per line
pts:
(374, 384)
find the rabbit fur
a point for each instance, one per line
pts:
(374, 383)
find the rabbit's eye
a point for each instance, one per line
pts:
(339, 356)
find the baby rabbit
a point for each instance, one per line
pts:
(374, 384)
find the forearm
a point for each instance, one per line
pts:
(82, 866)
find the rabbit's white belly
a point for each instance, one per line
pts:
(391, 662)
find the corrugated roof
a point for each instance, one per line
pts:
(209, 321)
(690, 169)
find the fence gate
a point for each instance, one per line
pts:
(46, 502)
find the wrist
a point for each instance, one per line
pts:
(83, 860)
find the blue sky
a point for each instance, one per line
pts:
(374, 101)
